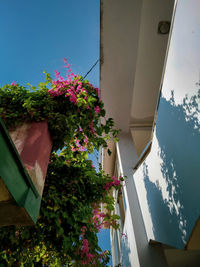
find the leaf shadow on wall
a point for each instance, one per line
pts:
(125, 251)
(178, 135)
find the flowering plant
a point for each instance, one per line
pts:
(70, 215)
(71, 106)
(70, 218)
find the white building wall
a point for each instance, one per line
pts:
(135, 248)
(128, 249)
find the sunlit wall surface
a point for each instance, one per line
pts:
(168, 181)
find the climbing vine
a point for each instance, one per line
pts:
(70, 215)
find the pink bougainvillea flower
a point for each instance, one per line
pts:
(82, 148)
(90, 256)
(73, 99)
(114, 182)
(77, 143)
(61, 79)
(86, 140)
(66, 66)
(85, 248)
(13, 83)
(97, 109)
(97, 90)
(78, 88)
(73, 149)
(56, 74)
(84, 228)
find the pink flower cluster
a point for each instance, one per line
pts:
(87, 257)
(13, 83)
(77, 146)
(115, 182)
(98, 220)
(79, 93)
(97, 109)
(97, 217)
(85, 250)
(70, 88)
(73, 88)
(110, 222)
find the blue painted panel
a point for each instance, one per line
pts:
(104, 241)
(168, 182)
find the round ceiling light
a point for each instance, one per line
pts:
(163, 27)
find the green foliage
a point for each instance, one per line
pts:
(67, 204)
(65, 118)
(70, 217)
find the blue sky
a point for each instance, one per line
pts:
(37, 34)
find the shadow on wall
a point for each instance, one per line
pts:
(163, 220)
(178, 135)
(125, 251)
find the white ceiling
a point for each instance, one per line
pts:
(132, 60)
(119, 40)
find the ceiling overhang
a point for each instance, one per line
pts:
(132, 61)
